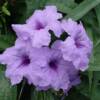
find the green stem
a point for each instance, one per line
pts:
(23, 84)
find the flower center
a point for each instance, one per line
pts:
(78, 42)
(39, 25)
(53, 64)
(25, 60)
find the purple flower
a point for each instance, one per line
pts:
(79, 35)
(19, 62)
(77, 47)
(43, 67)
(53, 71)
(38, 25)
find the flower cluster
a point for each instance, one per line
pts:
(46, 63)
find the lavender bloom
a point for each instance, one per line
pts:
(53, 71)
(38, 25)
(77, 47)
(79, 35)
(19, 62)
(47, 66)
(43, 67)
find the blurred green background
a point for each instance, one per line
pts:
(87, 11)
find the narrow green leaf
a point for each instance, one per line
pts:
(90, 76)
(21, 90)
(7, 92)
(95, 37)
(97, 10)
(83, 8)
(95, 93)
(95, 63)
(5, 10)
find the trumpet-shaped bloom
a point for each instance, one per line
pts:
(54, 71)
(78, 34)
(19, 62)
(38, 25)
(44, 63)
(77, 47)
(43, 67)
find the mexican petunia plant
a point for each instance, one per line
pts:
(43, 62)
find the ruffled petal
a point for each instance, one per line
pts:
(41, 38)
(70, 27)
(56, 28)
(51, 13)
(23, 31)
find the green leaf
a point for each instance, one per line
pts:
(94, 33)
(95, 61)
(97, 10)
(6, 41)
(68, 3)
(90, 20)
(7, 92)
(82, 9)
(90, 76)
(5, 10)
(91, 89)
(95, 91)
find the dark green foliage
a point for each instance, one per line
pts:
(7, 92)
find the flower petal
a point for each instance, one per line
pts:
(23, 31)
(41, 38)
